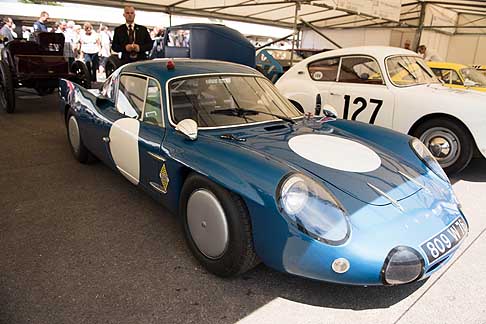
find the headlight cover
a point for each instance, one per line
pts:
(403, 265)
(312, 209)
(424, 154)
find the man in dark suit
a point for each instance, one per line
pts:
(130, 39)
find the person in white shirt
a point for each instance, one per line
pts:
(90, 47)
(428, 54)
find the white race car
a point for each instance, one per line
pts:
(394, 88)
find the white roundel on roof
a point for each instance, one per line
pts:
(335, 152)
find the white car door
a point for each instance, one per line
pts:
(360, 92)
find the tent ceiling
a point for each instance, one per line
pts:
(320, 13)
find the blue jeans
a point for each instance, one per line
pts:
(92, 62)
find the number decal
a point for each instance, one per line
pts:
(362, 101)
(378, 103)
(346, 106)
(362, 106)
(433, 250)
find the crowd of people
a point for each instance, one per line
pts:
(93, 44)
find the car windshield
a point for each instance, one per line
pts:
(209, 99)
(409, 70)
(475, 76)
(284, 55)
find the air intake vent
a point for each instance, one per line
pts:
(275, 127)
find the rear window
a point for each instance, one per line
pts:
(324, 70)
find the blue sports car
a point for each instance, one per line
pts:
(254, 180)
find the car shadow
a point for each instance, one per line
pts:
(474, 172)
(264, 280)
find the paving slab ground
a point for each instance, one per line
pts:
(79, 244)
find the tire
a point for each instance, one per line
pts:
(7, 89)
(82, 74)
(112, 63)
(448, 141)
(76, 144)
(217, 227)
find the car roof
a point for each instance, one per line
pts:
(158, 68)
(379, 52)
(447, 65)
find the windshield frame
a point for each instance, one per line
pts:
(430, 73)
(190, 76)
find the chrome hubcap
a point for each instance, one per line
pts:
(443, 144)
(73, 131)
(207, 223)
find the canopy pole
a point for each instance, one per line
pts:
(418, 35)
(297, 7)
(320, 33)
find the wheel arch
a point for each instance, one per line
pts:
(428, 117)
(297, 105)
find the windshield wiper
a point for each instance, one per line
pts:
(242, 112)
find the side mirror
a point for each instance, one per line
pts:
(329, 111)
(468, 83)
(188, 127)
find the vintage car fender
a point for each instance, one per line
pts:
(418, 103)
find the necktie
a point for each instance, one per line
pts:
(131, 35)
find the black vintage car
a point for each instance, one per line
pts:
(37, 64)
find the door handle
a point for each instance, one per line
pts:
(106, 139)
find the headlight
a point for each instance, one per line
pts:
(402, 265)
(312, 209)
(424, 154)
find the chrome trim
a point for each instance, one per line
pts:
(415, 182)
(188, 76)
(158, 187)
(156, 156)
(106, 139)
(393, 201)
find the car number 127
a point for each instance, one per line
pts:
(361, 103)
(443, 242)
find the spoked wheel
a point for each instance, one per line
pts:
(112, 63)
(449, 142)
(83, 76)
(7, 89)
(80, 151)
(217, 227)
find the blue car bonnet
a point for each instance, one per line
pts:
(273, 140)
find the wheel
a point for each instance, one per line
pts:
(217, 227)
(7, 89)
(112, 63)
(448, 141)
(82, 74)
(80, 151)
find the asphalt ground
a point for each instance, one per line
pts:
(80, 244)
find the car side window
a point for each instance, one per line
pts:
(455, 79)
(324, 70)
(131, 95)
(360, 70)
(152, 113)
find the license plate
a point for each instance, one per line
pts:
(444, 241)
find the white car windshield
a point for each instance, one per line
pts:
(225, 100)
(409, 70)
(475, 76)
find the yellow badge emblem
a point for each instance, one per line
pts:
(164, 177)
